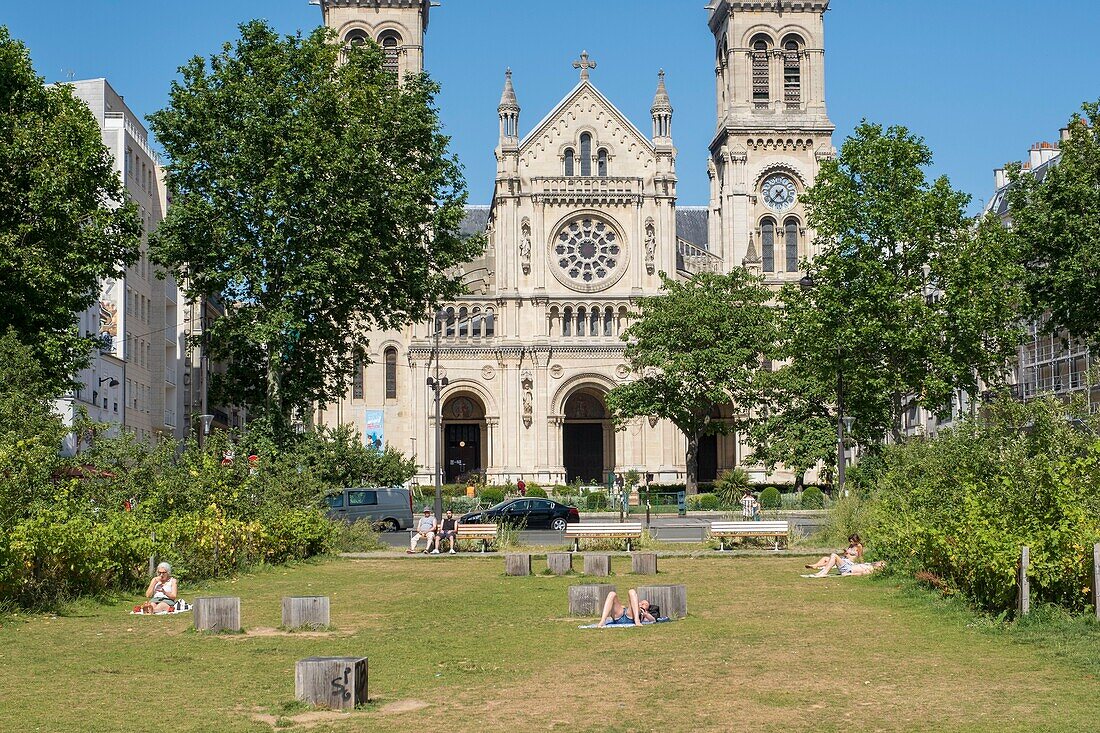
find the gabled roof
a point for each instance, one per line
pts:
(583, 85)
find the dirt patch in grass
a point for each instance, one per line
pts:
(402, 706)
(309, 719)
(265, 631)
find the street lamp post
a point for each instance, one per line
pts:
(436, 384)
(205, 430)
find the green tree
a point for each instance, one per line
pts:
(314, 197)
(1056, 224)
(696, 346)
(795, 424)
(911, 300)
(62, 228)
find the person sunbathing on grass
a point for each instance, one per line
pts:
(854, 552)
(847, 567)
(616, 614)
(162, 590)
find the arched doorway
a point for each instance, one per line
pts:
(584, 449)
(463, 441)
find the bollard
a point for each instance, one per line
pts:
(339, 683)
(217, 613)
(643, 563)
(517, 564)
(672, 599)
(311, 612)
(588, 600)
(559, 563)
(1023, 585)
(599, 565)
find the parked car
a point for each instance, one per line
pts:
(531, 513)
(389, 507)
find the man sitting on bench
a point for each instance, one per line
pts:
(447, 531)
(425, 528)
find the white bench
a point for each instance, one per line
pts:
(595, 530)
(485, 532)
(722, 530)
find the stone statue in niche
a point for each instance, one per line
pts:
(528, 400)
(525, 246)
(650, 245)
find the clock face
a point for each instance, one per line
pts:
(779, 192)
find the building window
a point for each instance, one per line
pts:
(761, 87)
(608, 320)
(390, 43)
(569, 162)
(355, 37)
(790, 239)
(601, 164)
(792, 72)
(586, 154)
(450, 330)
(391, 373)
(490, 323)
(767, 244)
(463, 323)
(567, 322)
(357, 381)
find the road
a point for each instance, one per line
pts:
(664, 528)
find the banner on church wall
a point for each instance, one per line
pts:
(373, 430)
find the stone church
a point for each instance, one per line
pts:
(582, 221)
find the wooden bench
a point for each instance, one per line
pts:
(487, 533)
(722, 530)
(594, 530)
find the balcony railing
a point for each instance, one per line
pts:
(170, 374)
(693, 259)
(586, 189)
(170, 418)
(171, 333)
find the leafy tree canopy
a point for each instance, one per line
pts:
(695, 347)
(1056, 224)
(62, 228)
(910, 300)
(314, 197)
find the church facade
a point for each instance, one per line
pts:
(583, 219)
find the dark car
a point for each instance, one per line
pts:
(531, 513)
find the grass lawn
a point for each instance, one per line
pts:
(455, 645)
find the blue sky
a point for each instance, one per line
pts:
(980, 80)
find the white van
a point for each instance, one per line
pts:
(389, 507)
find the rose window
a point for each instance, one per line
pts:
(587, 252)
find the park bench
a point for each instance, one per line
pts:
(595, 530)
(777, 529)
(487, 533)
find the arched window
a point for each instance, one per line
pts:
(463, 323)
(490, 323)
(356, 37)
(582, 319)
(357, 381)
(450, 331)
(586, 154)
(767, 244)
(792, 71)
(608, 321)
(790, 239)
(390, 43)
(601, 163)
(569, 164)
(761, 78)
(476, 323)
(391, 373)
(594, 322)
(567, 322)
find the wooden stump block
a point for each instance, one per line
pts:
(559, 563)
(671, 598)
(597, 565)
(217, 613)
(305, 612)
(333, 682)
(588, 600)
(517, 564)
(643, 563)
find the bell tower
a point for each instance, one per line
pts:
(398, 26)
(772, 133)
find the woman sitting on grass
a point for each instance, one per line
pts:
(616, 614)
(162, 589)
(854, 552)
(848, 567)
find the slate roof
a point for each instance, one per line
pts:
(475, 220)
(691, 224)
(999, 203)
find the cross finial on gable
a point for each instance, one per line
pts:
(584, 65)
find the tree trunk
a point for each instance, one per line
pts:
(899, 414)
(799, 481)
(692, 487)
